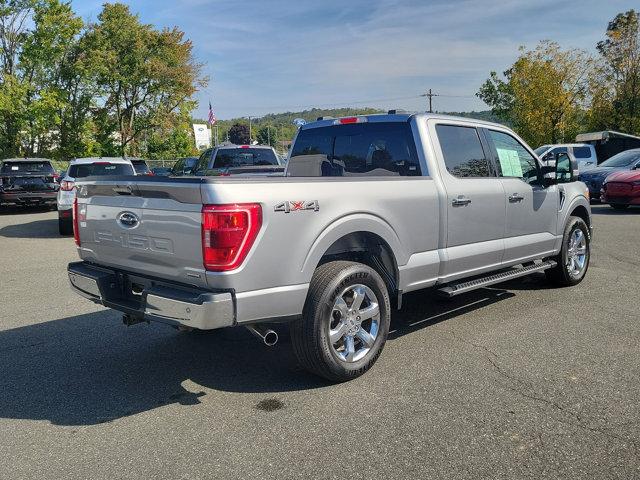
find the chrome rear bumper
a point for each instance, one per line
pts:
(150, 300)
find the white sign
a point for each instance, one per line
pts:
(202, 135)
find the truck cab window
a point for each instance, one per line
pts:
(514, 160)
(462, 151)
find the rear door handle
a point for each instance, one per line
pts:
(515, 198)
(460, 201)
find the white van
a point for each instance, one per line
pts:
(584, 153)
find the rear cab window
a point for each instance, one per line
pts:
(99, 169)
(462, 151)
(27, 167)
(244, 157)
(355, 150)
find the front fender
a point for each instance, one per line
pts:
(360, 222)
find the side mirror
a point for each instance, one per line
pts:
(548, 172)
(566, 168)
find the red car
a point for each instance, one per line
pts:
(622, 189)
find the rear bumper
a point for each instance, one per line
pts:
(152, 300)
(28, 198)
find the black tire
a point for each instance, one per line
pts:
(310, 335)
(619, 206)
(65, 227)
(560, 275)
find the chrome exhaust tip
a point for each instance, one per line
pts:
(268, 336)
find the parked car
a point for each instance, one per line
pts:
(622, 189)
(140, 166)
(184, 166)
(594, 179)
(584, 153)
(82, 168)
(226, 160)
(372, 207)
(28, 182)
(161, 171)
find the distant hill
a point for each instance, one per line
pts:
(314, 113)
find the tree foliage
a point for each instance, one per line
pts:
(615, 87)
(239, 134)
(543, 93)
(69, 89)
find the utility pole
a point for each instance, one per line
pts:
(268, 135)
(430, 95)
(249, 129)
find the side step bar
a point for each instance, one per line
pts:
(454, 289)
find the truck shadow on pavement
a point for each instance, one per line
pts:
(90, 369)
(36, 229)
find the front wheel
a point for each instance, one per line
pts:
(573, 259)
(345, 321)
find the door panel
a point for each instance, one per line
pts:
(531, 209)
(475, 202)
(531, 222)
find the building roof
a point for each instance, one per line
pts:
(595, 136)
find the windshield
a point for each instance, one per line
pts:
(540, 150)
(100, 169)
(243, 157)
(27, 167)
(622, 159)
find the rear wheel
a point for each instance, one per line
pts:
(619, 206)
(573, 260)
(345, 321)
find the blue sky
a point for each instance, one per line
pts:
(282, 55)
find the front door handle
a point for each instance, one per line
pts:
(515, 198)
(460, 201)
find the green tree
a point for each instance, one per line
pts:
(14, 31)
(239, 134)
(615, 89)
(267, 135)
(543, 94)
(145, 75)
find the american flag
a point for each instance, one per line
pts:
(212, 116)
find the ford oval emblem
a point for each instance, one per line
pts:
(128, 219)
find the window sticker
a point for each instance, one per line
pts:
(509, 163)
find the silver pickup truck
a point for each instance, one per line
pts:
(371, 207)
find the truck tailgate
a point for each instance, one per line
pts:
(152, 227)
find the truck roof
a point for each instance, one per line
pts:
(87, 160)
(34, 159)
(397, 117)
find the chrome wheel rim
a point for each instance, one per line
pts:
(354, 323)
(576, 253)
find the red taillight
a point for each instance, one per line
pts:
(245, 146)
(228, 233)
(66, 185)
(79, 215)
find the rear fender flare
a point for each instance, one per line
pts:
(345, 226)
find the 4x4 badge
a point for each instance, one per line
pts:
(297, 205)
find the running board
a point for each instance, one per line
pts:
(454, 289)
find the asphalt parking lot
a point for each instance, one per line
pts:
(518, 381)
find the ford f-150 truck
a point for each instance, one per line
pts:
(370, 207)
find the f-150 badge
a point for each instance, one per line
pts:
(297, 206)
